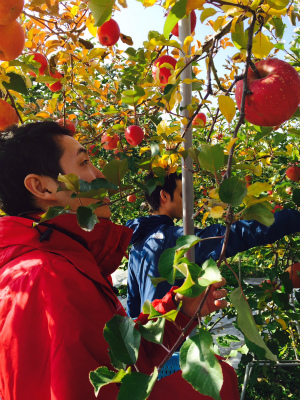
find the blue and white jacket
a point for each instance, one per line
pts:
(156, 233)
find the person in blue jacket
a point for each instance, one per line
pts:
(155, 233)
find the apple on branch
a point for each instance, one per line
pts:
(175, 30)
(68, 125)
(108, 33)
(294, 271)
(293, 173)
(110, 141)
(8, 115)
(274, 95)
(42, 60)
(12, 41)
(163, 71)
(56, 86)
(200, 120)
(134, 135)
(131, 198)
(10, 10)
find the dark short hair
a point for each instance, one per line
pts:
(29, 149)
(169, 186)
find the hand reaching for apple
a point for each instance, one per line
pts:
(214, 301)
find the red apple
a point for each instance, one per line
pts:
(8, 115)
(110, 141)
(275, 96)
(38, 57)
(175, 30)
(248, 178)
(200, 119)
(270, 192)
(134, 135)
(93, 150)
(68, 124)
(131, 198)
(10, 10)
(219, 137)
(56, 86)
(12, 41)
(108, 33)
(164, 72)
(293, 271)
(293, 173)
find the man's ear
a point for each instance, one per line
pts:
(164, 196)
(42, 187)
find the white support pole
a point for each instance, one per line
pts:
(187, 164)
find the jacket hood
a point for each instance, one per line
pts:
(106, 244)
(144, 225)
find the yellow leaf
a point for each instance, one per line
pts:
(90, 22)
(143, 150)
(43, 114)
(258, 187)
(205, 217)
(289, 149)
(230, 144)
(169, 3)
(261, 46)
(281, 322)
(218, 23)
(187, 41)
(274, 12)
(227, 107)
(149, 3)
(194, 5)
(214, 194)
(216, 212)
(208, 12)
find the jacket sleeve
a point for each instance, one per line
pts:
(244, 235)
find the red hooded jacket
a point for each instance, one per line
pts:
(55, 299)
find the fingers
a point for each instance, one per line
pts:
(219, 284)
(221, 303)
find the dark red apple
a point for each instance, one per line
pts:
(110, 141)
(56, 86)
(93, 150)
(108, 33)
(68, 124)
(131, 198)
(134, 135)
(293, 173)
(200, 120)
(175, 30)
(38, 57)
(275, 96)
(293, 271)
(248, 178)
(164, 72)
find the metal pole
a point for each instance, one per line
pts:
(187, 164)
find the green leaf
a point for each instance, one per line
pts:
(103, 376)
(115, 171)
(71, 182)
(261, 132)
(152, 183)
(16, 83)
(131, 97)
(137, 386)
(51, 213)
(261, 213)
(155, 151)
(155, 281)
(247, 325)
(86, 218)
(296, 197)
(239, 37)
(199, 365)
(279, 26)
(211, 158)
(190, 287)
(211, 272)
(101, 10)
(232, 191)
(166, 268)
(123, 339)
(153, 331)
(177, 12)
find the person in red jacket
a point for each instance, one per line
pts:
(55, 292)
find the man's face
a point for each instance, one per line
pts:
(75, 160)
(176, 204)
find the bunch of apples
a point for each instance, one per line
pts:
(12, 35)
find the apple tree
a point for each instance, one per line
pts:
(126, 107)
